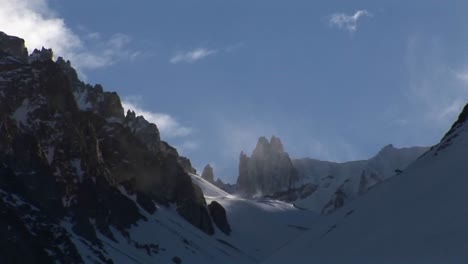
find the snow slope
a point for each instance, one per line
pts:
(259, 227)
(164, 236)
(209, 189)
(350, 178)
(419, 216)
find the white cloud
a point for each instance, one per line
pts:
(34, 21)
(40, 26)
(348, 22)
(168, 126)
(192, 55)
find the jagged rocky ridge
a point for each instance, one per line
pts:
(69, 153)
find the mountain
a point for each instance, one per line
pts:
(269, 170)
(320, 186)
(208, 175)
(332, 184)
(418, 216)
(83, 182)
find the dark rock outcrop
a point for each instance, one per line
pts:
(294, 194)
(337, 201)
(218, 213)
(268, 171)
(13, 46)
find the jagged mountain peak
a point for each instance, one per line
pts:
(276, 145)
(267, 171)
(208, 174)
(264, 147)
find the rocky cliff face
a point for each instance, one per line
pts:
(14, 46)
(68, 151)
(208, 174)
(268, 171)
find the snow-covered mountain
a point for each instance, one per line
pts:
(333, 184)
(320, 186)
(418, 216)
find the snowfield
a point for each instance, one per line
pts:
(259, 227)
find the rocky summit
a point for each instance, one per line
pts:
(269, 170)
(208, 174)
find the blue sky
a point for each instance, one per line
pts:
(335, 80)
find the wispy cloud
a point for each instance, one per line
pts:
(436, 91)
(462, 76)
(234, 47)
(187, 146)
(238, 135)
(41, 26)
(332, 148)
(168, 126)
(348, 22)
(192, 56)
(99, 52)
